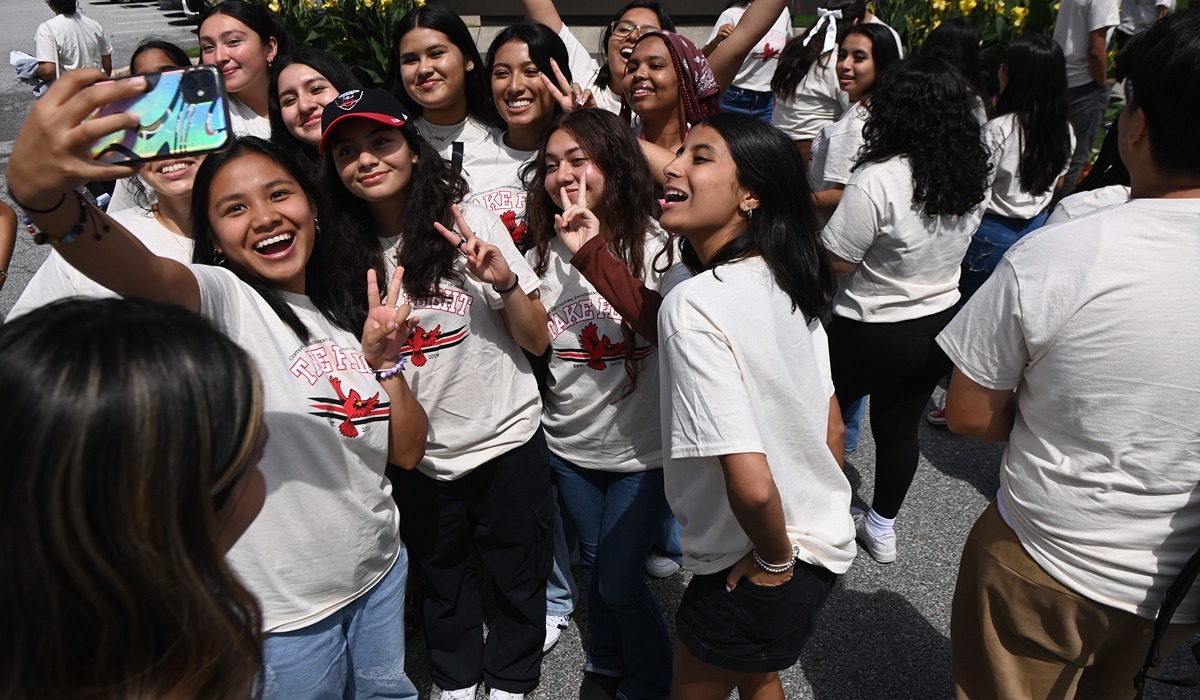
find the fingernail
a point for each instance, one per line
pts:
(728, 588)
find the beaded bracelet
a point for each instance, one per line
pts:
(40, 237)
(382, 374)
(506, 290)
(775, 568)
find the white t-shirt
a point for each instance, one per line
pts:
(908, 263)
(1077, 204)
(899, 44)
(329, 529)
(246, 122)
(742, 372)
(1003, 137)
(478, 145)
(585, 423)
(759, 66)
(818, 101)
(1138, 15)
(1076, 20)
(835, 148)
(495, 182)
(70, 42)
(57, 279)
(1094, 324)
(584, 70)
(464, 367)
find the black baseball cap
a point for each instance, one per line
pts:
(374, 104)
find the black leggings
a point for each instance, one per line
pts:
(897, 365)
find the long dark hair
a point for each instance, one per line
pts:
(796, 59)
(543, 45)
(956, 42)
(332, 281)
(628, 202)
(433, 187)
(266, 24)
(475, 82)
(1108, 168)
(884, 50)
(604, 75)
(784, 227)
(177, 55)
(339, 76)
(923, 110)
(112, 527)
(1037, 94)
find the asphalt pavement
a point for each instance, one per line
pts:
(885, 630)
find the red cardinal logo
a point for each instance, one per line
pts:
(768, 53)
(599, 348)
(421, 339)
(516, 230)
(353, 406)
(347, 100)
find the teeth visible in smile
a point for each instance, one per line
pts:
(626, 52)
(273, 239)
(673, 195)
(518, 104)
(174, 168)
(644, 90)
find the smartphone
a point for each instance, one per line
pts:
(183, 112)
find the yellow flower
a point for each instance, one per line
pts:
(1019, 14)
(965, 6)
(367, 3)
(274, 6)
(1000, 6)
(384, 4)
(330, 4)
(420, 3)
(939, 5)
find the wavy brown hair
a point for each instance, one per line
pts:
(126, 422)
(628, 205)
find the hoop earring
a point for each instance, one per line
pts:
(317, 225)
(218, 258)
(750, 214)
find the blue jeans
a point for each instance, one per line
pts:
(751, 102)
(357, 652)
(852, 417)
(561, 593)
(616, 517)
(995, 236)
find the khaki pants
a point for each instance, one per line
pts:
(1016, 633)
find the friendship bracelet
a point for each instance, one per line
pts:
(506, 290)
(382, 374)
(775, 568)
(26, 207)
(40, 237)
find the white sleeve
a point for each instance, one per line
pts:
(986, 340)
(711, 412)
(583, 67)
(222, 298)
(55, 279)
(45, 47)
(1103, 13)
(727, 17)
(854, 225)
(491, 229)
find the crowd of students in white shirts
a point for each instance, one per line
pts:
(525, 304)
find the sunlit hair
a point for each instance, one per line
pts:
(333, 281)
(174, 53)
(433, 187)
(922, 110)
(258, 18)
(543, 45)
(604, 75)
(125, 422)
(628, 205)
(1037, 94)
(332, 69)
(956, 42)
(783, 230)
(796, 59)
(475, 82)
(1161, 66)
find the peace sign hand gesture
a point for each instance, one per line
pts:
(570, 96)
(484, 260)
(577, 224)
(388, 323)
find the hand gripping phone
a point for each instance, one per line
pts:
(183, 112)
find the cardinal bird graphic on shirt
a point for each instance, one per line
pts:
(424, 341)
(767, 53)
(597, 351)
(351, 408)
(515, 229)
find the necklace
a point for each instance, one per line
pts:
(175, 236)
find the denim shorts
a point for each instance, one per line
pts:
(752, 629)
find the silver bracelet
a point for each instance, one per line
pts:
(775, 568)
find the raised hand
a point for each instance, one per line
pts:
(484, 260)
(577, 224)
(569, 96)
(51, 153)
(388, 324)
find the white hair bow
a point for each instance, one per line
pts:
(830, 29)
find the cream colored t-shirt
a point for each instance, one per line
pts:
(70, 42)
(817, 102)
(835, 149)
(1076, 20)
(1003, 137)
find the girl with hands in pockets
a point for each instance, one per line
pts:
(484, 483)
(335, 397)
(601, 400)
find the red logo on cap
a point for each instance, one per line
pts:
(347, 100)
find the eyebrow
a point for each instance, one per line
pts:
(225, 34)
(568, 152)
(238, 195)
(704, 147)
(431, 47)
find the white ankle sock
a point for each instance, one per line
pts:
(877, 525)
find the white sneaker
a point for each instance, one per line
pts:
(659, 566)
(460, 694)
(555, 624)
(882, 549)
(494, 694)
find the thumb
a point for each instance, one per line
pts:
(731, 581)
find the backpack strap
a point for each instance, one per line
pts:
(1177, 591)
(456, 158)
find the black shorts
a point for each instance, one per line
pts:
(753, 629)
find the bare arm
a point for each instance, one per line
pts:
(1097, 56)
(8, 239)
(50, 159)
(526, 319)
(835, 434)
(975, 410)
(106, 64)
(657, 158)
(727, 58)
(755, 502)
(543, 12)
(841, 266)
(827, 200)
(46, 70)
